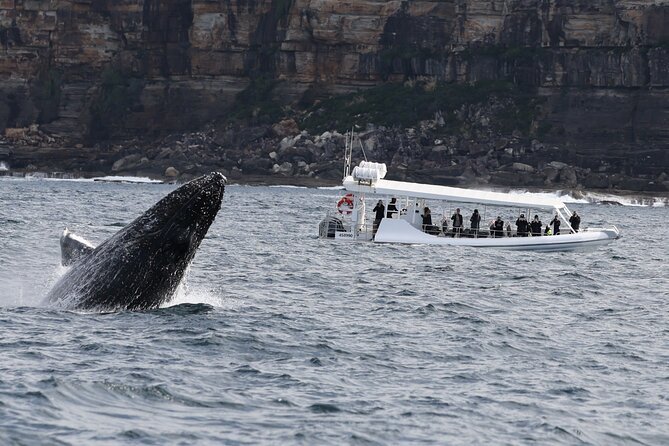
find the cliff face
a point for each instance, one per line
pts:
(102, 68)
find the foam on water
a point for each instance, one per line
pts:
(286, 186)
(127, 179)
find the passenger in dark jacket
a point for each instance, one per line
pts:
(556, 225)
(497, 227)
(427, 222)
(522, 226)
(427, 218)
(475, 220)
(380, 211)
(536, 226)
(575, 221)
(457, 222)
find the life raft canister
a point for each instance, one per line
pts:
(345, 204)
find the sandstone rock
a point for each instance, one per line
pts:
(286, 127)
(283, 169)
(288, 142)
(551, 174)
(568, 176)
(557, 165)
(15, 134)
(520, 167)
(171, 172)
(126, 163)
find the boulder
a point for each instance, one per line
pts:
(283, 169)
(15, 134)
(126, 163)
(568, 176)
(557, 165)
(521, 167)
(171, 172)
(551, 174)
(286, 127)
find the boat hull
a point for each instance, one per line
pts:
(401, 231)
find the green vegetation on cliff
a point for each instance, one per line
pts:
(117, 95)
(404, 105)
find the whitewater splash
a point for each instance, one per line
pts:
(4, 167)
(598, 198)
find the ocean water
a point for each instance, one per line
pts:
(278, 337)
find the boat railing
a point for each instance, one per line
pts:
(365, 229)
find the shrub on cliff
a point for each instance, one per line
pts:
(404, 105)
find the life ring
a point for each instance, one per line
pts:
(345, 204)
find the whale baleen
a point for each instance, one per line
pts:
(141, 266)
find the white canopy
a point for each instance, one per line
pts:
(452, 194)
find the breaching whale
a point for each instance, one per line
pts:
(141, 266)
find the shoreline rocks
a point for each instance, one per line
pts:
(263, 154)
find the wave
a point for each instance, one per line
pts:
(584, 197)
(127, 179)
(105, 179)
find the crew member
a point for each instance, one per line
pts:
(575, 221)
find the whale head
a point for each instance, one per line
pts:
(141, 266)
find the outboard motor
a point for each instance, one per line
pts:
(329, 226)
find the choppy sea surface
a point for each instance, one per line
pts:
(279, 337)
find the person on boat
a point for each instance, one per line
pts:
(536, 226)
(522, 226)
(555, 223)
(497, 227)
(444, 225)
(475, 220)
(575, 221)
(380, 212)
(457, 223)
(548, 230)
(508, 229)
(427, 222)
(392, 208)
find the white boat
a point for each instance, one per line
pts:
(351, 222)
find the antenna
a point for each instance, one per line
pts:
(348, 152)
(363, 149)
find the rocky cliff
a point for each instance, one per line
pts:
(596, 73)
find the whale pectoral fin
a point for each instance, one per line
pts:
(73, 247)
